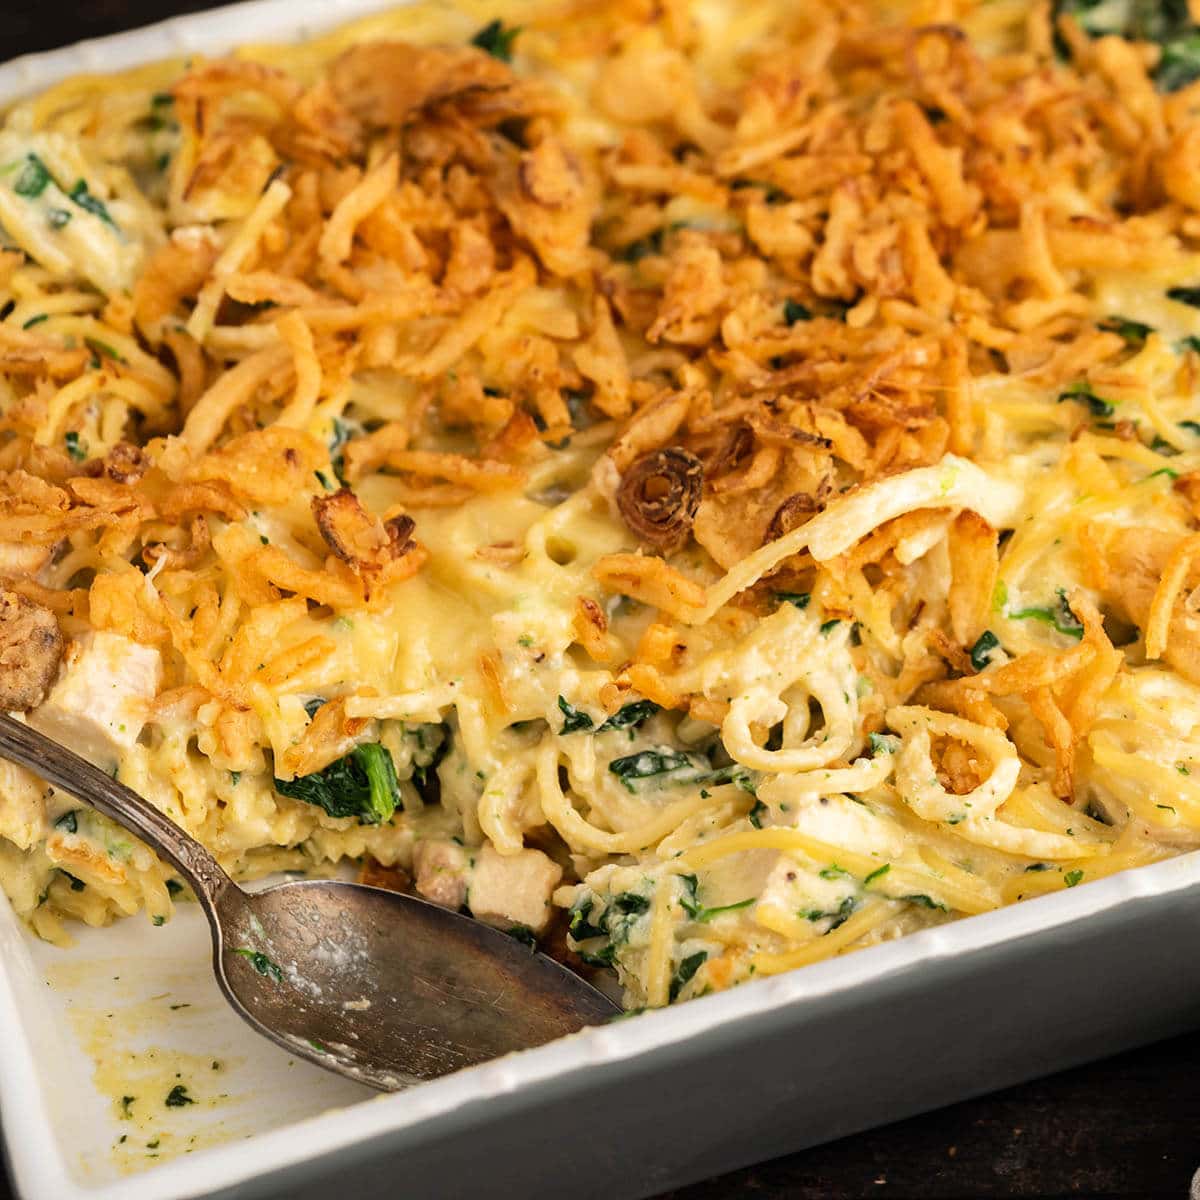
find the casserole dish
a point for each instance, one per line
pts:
(628, 1110)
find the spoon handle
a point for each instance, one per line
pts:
(65, 769)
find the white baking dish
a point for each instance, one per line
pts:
(623, 1111)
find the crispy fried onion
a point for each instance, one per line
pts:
(652, 581)
(330, 735)
(387, 83)
(378, 552)
(774, 674)
(659, 495)
(31, 648)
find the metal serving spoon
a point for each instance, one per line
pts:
(381, 987)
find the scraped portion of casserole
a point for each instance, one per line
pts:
(705, 486)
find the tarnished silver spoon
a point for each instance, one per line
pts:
(382, 987)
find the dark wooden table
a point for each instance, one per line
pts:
(1127, 1127)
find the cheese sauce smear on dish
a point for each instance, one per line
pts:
(704, 486)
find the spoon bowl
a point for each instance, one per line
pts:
(382, 987)
(390, 988)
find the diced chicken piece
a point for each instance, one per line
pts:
(98, 706)
(792, 888)
(832, 819)
(442, 869)
(842, 822)
(30, 650)
(513, 889)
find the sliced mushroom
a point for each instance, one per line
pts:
(31, 647)
(659, 495)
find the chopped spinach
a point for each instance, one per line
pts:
(1179, 63)
(775, 195)
(686, 971)
(797, 599)
(68, 822)
(178, 1096)
(1081, 393)
(925, 902)
(882, 743)
(643, 247)
(1134, 332)
(523, 934)
(613, 924)
(828, 627)
(342, 432)
(267, 968)
(1166, 22)
(102, 349)
(574, 719)
(32, 180)
(878, 873)
(757, 812)
(362, 785)
(36, 320)
(80, 195)
(1185, 295)
(653, 764)
(736, 774)
(74, 449)
(604, 957)
(1059, 616)
(838, 916)
(794, 311)
(497, 40)
(981, 652)
(630, 903)
(708, 913)
(690, 903)
(580, 927)
(161, 104)
(630, 716)
(1071, 878)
